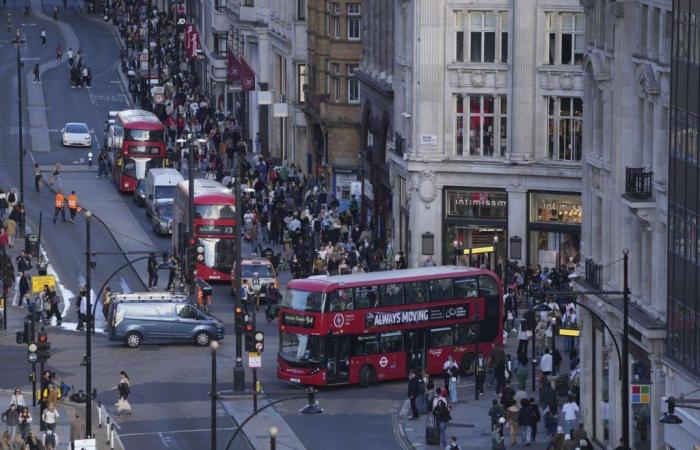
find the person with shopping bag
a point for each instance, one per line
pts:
(123, 390)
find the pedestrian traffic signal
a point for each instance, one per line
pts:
(43, 347)
(31, 353)
(259, 341)
(249, 337)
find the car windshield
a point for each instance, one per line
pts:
(301, 347)
(165, 192)
(165, 210)
(77, 128)
(301, 300)
(144, 135)
(214, 212)
(263, 270)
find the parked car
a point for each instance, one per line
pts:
(162, 217)
(76, 134)
(160, 317)
(140, 192)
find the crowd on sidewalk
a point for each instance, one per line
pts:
(535, 304)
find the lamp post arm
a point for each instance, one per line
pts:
(617, 347)
(104, 285)
(250, 417)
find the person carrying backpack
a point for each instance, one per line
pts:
(441, 412)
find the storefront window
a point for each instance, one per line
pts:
(554, 208)
(641, 398)
(602, 386)
(474, 246)
(551, 249)
(554, 221)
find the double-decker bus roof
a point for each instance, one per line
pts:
(208, 192)
(324, 282)
(139, 119)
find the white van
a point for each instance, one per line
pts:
(160, 185)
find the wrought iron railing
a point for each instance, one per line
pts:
(638, 183)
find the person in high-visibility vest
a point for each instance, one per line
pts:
(59, 202)
(72, 205)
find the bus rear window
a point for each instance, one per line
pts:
(144, 135)
(214, 212)
(301, 300)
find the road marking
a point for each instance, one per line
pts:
(160, 433)
(124, 285)
(31, 59)
(165, 441)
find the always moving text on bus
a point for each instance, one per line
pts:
(369, 327)
(214, 224)
(136, 142)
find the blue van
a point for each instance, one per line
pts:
(160, 317)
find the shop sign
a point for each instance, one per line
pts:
(476, 204)
(552, 208)
(390, 318)
(298, 320)
(640, 393)
(369, 191)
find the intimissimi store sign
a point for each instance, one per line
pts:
(476, 204)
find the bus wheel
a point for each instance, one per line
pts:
(367, 376)
(467, 364)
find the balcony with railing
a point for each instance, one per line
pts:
(593, 275)
(638, 184)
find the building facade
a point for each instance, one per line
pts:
(333, 96)
(682, 362)
(272, 36)
(625, 154)
(495, 123)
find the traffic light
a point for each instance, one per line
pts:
(31, 353)
(43, 346)
(259, 341)
(249, 337)
(239, 319)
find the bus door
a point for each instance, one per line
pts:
(416, 343)
(338, 358)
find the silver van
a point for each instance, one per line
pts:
(160, 317)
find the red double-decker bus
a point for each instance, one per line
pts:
(137, 143)
(369, 327)
(214, 227)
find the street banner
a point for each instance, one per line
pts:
(195, 46)
(188, 33)
(38, 282)
(247, 76)
(233, 67)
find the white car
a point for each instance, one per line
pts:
(76, 134)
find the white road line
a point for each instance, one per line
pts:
(165, 441)
(160, 433)
(124, 285)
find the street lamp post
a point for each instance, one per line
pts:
(238, 370)
(18, 42)
(273, 437)
(190, 201)
(625, 354)
(214, 393)
(88, 327)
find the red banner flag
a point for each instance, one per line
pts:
(194, 43)
(247, 76)
(189, 28)
(233, 67)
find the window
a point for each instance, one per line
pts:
(366, 297)
(328, 77)
(302, 301)
(486, 122)
(220, 5)
(353, 21)
(441, 337)
(440, 290)
(391, 342)
(353, 85)
(564, 128)
(565, 38)
(328, 18)
(220, 44)
(301, 9)
(365, 344)
(392, 294)
(335, 79)
(466, 333)
(487, 32)
(466, 288)
(488, 287)
(336, 20)
(416, 292)
(301, 82)
(340, 300)
(249, 3)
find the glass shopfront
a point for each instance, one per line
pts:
(554, 225)
(600, 404)
(475, 226)
(641, 398)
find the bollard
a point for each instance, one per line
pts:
(111, 440)
(109, 429)
(99, 415)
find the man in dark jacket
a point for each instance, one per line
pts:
(24, 262)
(152, 271)
(526, 419)
(413, 394)
(23, 287)
(548, 397)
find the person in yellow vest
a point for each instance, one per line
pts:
(59, 202)
(73, 206)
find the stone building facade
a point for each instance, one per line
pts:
(333, 96)
(625, 183)
(490, 104)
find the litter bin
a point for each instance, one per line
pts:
(31, 245)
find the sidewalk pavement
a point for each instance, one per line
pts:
(258, 429)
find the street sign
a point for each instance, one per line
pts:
(85, 444)
(572, 332)
(254, 360)
(640, 393)
(38, 282)
(32, 357)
